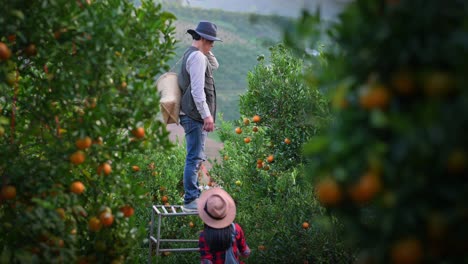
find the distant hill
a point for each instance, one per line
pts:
(289, 8)
(244, 36)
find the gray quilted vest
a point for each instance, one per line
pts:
(187, 104)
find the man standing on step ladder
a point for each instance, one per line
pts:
(198, 104)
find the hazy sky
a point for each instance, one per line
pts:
(329, 8)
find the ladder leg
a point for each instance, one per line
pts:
(151, 235)
(159, 234)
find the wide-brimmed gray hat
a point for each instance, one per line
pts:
(206, 30)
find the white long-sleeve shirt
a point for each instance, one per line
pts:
(196, 65)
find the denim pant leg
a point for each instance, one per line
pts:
(194, 140)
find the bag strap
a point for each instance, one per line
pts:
(233, 234)
(183, 54)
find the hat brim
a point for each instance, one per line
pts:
(205, 36)
(231, 208)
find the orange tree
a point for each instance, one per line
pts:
(264, 172)
(393, 164)
(76, 96)
(282, 103)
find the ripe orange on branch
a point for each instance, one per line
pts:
(77, 187)
(8, 192)
(138, 132)
(270, 158)
(83, 143)
(256, 118)
(5, 52)
(366, 188)
(407, 251)
(328, 192)
(106, 219)
(77, 157)
(238, 130)
(105, 168)
(127, 210)
(94, 224)
(375, 97)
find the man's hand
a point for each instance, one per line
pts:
(208, 124)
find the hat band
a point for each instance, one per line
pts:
(209, 33)
(212, 216)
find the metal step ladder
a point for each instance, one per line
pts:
(161, 211)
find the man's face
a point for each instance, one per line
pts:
(207, 45)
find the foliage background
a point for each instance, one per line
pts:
(77, 69)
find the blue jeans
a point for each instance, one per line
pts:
(195, 143)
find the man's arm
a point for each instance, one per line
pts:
(196, 66)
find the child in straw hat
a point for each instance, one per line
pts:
(217, 210)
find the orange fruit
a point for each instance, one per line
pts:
(238, 130)
(226, 157)
(8, 192)
(287, 141)
(138, 132)
(403, 83)
(106, 219)
(31, 50)
(77, 157)
(375, 97)
(366, 188)
(407, 251)
(94, 224)
(77, 187)
(255, 129)
(259, 165)
(191, 224)
(105, 168)
(5, 52)
(135, 168)
(164, 199)
(270, 159)
(261, 247)
(328, 192)
(83, 143)
(259, 161)
(247, 140)
(246, 121)
(256, 118)
(127, 210)
(305, 225)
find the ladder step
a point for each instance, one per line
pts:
(174, 240)
(178, 249)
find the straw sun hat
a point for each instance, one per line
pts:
(216, 208)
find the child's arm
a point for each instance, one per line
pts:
(242, 244)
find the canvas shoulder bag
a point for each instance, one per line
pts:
(230, 258)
